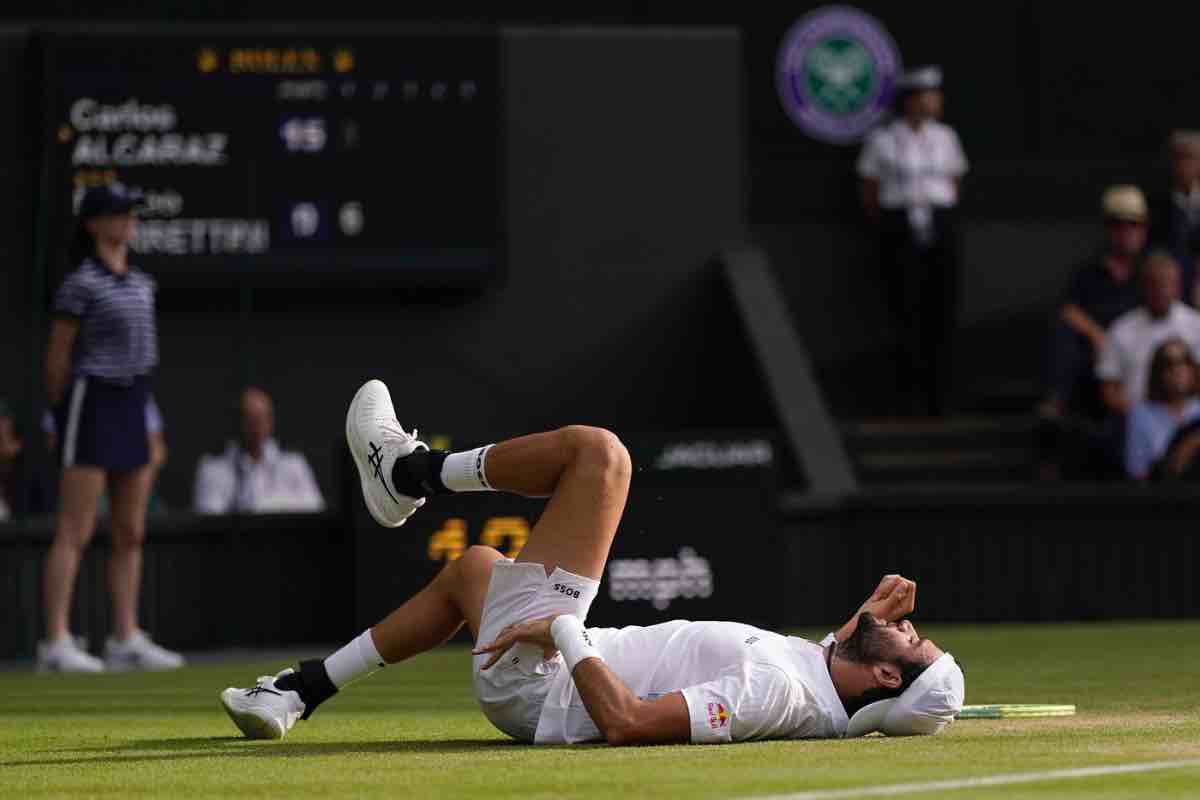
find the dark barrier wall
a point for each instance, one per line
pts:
(684, 550)
(208, 582)
(1030, 554)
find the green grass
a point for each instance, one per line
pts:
(414, 731)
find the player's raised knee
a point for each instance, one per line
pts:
(477, 560)
(475, 564)
(600, 450)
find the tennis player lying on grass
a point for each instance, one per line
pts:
(542, 677)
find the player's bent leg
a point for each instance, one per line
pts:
(577, 527)
(436, 613)
(585, 471)
(270, 708)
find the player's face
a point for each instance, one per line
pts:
(875, 640)
(905, 643)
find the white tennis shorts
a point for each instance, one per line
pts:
(514, 690)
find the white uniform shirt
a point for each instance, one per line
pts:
(1132, 339)
(739, 682)
(279, 482)
(916, 170)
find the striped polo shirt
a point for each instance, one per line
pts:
(117, 338)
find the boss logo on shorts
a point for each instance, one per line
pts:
(563, 588)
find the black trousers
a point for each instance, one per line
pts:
(922, 284)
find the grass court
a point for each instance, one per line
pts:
(414, 730)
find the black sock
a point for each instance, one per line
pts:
(311, 682)
(419, 474)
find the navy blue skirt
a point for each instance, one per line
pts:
(103, 424)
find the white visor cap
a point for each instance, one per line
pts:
(933, 701)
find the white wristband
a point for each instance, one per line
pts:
(572, 640)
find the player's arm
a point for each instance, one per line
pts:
(624, 718)
(893, 599)
(621, 716)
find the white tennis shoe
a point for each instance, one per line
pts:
(263, 711)
(66, 655)
(376, 440)
(139, 651)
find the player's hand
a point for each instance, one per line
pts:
(534, 631)
(893, 599)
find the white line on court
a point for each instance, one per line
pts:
(894, 789)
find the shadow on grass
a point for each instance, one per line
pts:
(199, 747)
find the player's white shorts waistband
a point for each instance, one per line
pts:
(513, 691)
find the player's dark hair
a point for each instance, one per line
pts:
(909, 672)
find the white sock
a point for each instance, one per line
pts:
(356, 660)
(464, 472)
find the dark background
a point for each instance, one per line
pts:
(628, 164)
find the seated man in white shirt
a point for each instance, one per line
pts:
(254, 475)
(1124, 363)
(542, 677)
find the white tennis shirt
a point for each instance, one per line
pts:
(739, 682)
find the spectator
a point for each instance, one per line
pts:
(103, 350)
(1124, 363)
(1170, 404)
(255, 476)
(910, 171)
(1176, 214)
(23, 488)
(1102, 289)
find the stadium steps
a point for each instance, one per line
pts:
(957, 449)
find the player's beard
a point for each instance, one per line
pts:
(867, 645)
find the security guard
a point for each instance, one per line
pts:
(910, 170)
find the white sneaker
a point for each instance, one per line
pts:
(66, 655)
(139, 652)
(263, 711)
(376, 440)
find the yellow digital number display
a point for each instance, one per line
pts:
(449, 541)
(506, 534)
(502, 532)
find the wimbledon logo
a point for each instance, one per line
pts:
(836, 72)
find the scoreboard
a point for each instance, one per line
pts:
(278, 158)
